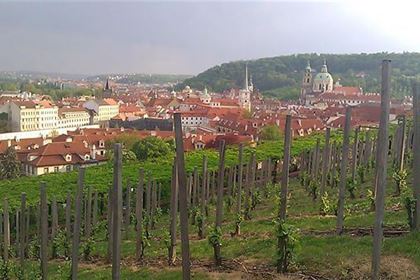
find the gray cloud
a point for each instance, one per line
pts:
(172, 37)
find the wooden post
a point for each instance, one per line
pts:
(202, 225)
(95, 209)
(173, 213)
(354, 154)
(153, 207)
(54, 224)
(117, 212)
(416, 153)
(23, 230)
(333, 163)
(213, 185)
(17, 232)
(68, 218)
(316, 160)
(6, 230)
(189, 190)
(159, 193)
(44, 231)
(229, 182)
(239, 190)
(381, 169)
(185, 247)
(77, 224)
(127, 210)
(88, 225)
(219, 205)
(285, 171)
(195, 187)
(343, 172)
(252, 183)
(368, 150)
(148, 203)
(139, 216)
(325, 161)
(109, 225)
(401, 150)
(54, 215)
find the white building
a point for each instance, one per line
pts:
(31, 115)
(105, 109)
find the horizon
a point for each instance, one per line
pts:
(183, 38)
(183, 74)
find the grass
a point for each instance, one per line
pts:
(328, 255)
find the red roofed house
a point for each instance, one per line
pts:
(59, 157)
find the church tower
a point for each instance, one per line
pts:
(107, 89)
(245, 93)
(306, 83)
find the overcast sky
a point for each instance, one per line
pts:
(187, 37)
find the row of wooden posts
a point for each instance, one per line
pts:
(365, 154)
(87, 209)
(190, 195)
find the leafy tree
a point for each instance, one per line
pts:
(281, 76)
(9, 164)
(151, 148)
(270, 132)
(126, 139)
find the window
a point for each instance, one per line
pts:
(46, 170)
(56, 168)
(68, 168)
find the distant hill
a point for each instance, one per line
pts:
(141, 78)
(281, 76)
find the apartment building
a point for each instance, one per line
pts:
(104, 109)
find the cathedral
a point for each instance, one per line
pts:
(314, 86)
(244, 97)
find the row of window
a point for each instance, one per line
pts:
(56, 169)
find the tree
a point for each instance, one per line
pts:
(9, 164)
(151, 147)
(126, 139)
(270, 132)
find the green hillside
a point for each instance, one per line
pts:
(280, 76)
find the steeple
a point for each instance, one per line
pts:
(324, 68)
(251, 84)
(246, 77)
(107, 84)
(308, 66)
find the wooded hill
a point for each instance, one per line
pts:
(281, 76)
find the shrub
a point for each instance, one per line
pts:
(400, 178)
(351, 187)
(287, 238)
(410, 204)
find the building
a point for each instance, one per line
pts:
(69, 117)
(244, 97)
(103, 109)
(31, 115)
(59, 157)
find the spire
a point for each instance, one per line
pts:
(246, 77)
(324, 68)
(107, 84)
(308, 65)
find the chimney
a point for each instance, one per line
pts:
(9, 143)
(93, 152)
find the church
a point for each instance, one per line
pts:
(319, 87)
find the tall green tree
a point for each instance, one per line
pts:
(270, 132)
(152, 147)
(9, 164)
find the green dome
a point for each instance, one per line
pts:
(323, 77)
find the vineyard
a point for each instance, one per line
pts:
(100, 177)
(336, 205)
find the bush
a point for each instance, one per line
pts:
(287, 238)
(410, 205)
